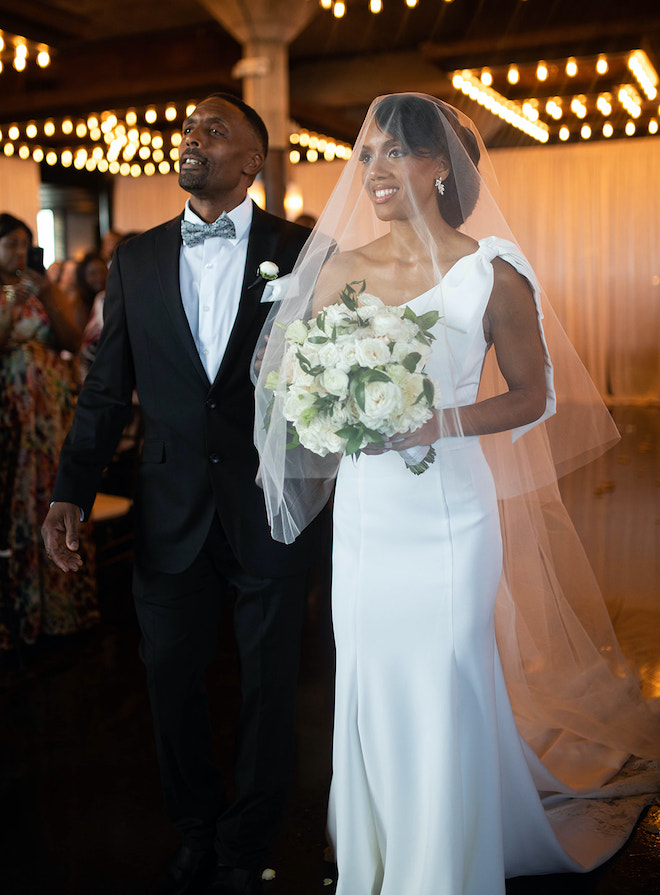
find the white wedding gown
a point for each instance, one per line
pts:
(434, 791)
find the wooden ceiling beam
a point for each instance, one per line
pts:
(97, 76)
(42, 21)
(602, 35)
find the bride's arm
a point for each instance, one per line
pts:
(511, 324)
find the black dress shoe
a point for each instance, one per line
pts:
(186, 874)
(234, 881)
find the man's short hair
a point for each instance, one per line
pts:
(254, 119)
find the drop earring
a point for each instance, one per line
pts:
(439, 185)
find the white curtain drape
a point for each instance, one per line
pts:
(588, 218)
(19, 190)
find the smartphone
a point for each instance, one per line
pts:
(35, 259)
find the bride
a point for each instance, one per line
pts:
(484, 711)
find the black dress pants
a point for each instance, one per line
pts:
(179, 616)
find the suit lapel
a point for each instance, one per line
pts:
(168, 245)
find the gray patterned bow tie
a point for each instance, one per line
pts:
(193, 234)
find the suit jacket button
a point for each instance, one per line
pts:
(211, 404)
(214, 458)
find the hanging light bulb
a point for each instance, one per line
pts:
(375, 5)
(338, 9)
(513, 75)
(601, 65)
(541, 71)
(43, 58)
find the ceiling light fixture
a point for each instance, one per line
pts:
(18, 50)
(511, 112)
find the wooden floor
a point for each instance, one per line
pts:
(80, 806)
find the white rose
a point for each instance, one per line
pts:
(268, 270)
(388, 323)
(381, 400)
(347, 354)
(335, 382)
(353, 412)
(367, 300)
(372, 352)
(369, 306)
(297, 332)
(337, 314)
(299, 379)
(320, 437)
(329, 354)
(340, 416)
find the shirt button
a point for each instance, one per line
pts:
(205, 351)
(214, 458)
(205, 308)
(209, 266)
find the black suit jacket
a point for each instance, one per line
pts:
(198, 454)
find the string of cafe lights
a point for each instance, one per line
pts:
(132, 142)
(19, 50)
(338, 7)
(566, 114)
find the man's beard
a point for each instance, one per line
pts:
(191, 180)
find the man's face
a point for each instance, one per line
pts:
(219, 155)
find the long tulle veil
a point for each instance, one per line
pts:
(576, 701)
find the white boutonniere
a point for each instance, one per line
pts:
(268, 270)
(275, 285)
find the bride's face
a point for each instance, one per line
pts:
(400, 185)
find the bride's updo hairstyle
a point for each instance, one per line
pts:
(421, 125)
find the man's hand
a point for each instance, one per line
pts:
(60, 534)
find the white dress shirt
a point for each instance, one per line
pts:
(211, 277)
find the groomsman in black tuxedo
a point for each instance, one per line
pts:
(183, 311)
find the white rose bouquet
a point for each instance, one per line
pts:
(354, 375)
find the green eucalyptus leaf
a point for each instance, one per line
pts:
(410, 361)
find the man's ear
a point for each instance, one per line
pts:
(254, 164)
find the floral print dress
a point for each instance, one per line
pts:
(37, 400)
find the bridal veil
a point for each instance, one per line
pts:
(575, 699)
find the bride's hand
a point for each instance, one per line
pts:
(426, 434)
(403, 441)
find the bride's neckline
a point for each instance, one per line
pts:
(437, 285)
